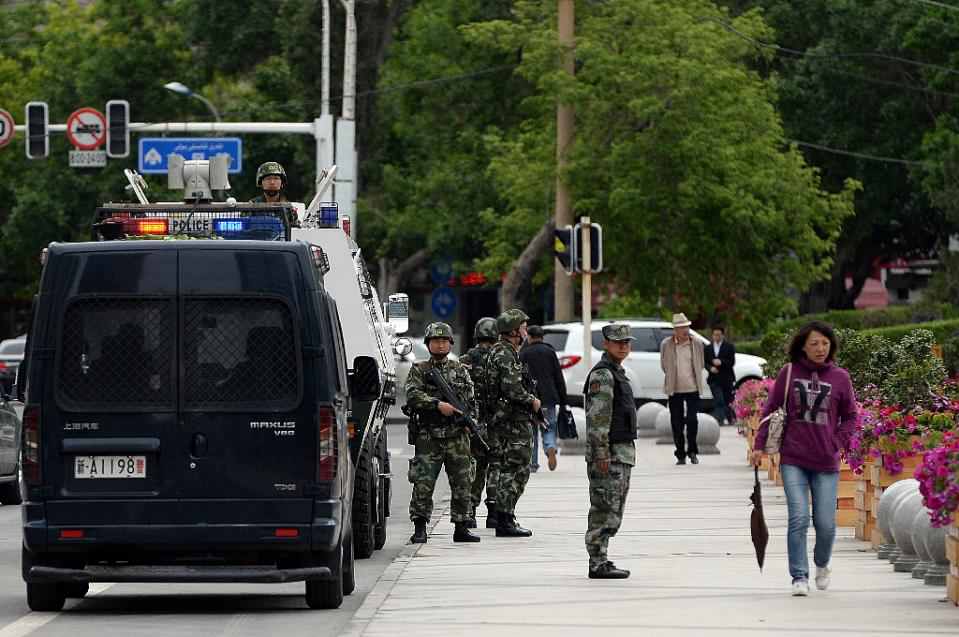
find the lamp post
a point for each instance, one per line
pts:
(181, 89)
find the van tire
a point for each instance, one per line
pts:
(349, 567)
(10, 493)
(327, 593)
(46, 598)
(364, 502)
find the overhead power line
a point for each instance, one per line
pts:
(941, 5)
(850, 153)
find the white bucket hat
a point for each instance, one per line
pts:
(680, 320)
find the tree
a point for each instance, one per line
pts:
(679, 152)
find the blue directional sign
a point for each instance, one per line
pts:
(441, 270)
(154, 151)
(443, 302)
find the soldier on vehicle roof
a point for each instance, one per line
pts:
(271, 180)
(440, 440)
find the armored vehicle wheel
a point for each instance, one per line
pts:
(365, 502)
(45, 597)
(349, 567)
(327, 593)
(385, 492)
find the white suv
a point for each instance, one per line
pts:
(642, 365)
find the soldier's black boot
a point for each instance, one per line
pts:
(507, 527)
(419, 531)
(471, 520)
(462, 533)
(492, 519)
(518, 528)
(608, 570)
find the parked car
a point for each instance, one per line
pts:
(10, 414)
(642, 365)
(11, 354)
(403, 364)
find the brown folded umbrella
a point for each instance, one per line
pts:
(757, 522)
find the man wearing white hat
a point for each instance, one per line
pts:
(682, 363)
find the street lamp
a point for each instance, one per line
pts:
(181, 89)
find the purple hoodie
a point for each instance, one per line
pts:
(821, 416)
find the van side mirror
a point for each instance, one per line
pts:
(364, 379)
(402, 347)
(397, 311)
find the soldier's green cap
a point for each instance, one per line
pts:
(510, 320)
(617, 332)
(485, 328)
(438, 330)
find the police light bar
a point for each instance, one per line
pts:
(260, 222)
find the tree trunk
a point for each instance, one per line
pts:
(392, 277)
(518, 280)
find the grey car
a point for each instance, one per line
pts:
(11, 354)
(10, 419)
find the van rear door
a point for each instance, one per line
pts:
(110, 437)
(244, 428)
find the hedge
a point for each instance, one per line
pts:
(873, 318)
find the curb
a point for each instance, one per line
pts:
(384, 585)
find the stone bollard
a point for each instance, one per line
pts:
(919, 525)
(575, 446)
(646, 419)
(887, 504)
(707, 436)
(664, 430)
(902, 519)
(935, 542)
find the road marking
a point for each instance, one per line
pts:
(32, 621)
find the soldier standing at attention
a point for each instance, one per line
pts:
(514, 407)
(439, 439)
(487, 464)
(610, 450)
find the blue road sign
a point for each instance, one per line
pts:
(443, 302)
(441, 270)
(154, 151)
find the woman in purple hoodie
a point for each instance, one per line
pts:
(820, 416)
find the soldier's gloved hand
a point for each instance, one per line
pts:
(447, 409)
(537, 404)
(603, 466)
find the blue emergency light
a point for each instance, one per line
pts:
(256, 227)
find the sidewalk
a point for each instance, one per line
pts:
(685, 538)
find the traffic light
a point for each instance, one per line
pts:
(595, 247)
(38, 139)
(118, 128)
(564, 247)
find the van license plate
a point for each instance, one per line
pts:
(110, 467)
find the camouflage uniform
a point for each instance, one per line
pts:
(487, 462)
(438, 441)
(510, 421)
(607, 493)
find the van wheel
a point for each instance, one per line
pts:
(76, 590)
(349, 567)
(45, 598)
(364, 503)
(327, 593)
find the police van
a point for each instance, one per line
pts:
(187, 405)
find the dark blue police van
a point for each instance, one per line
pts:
(185, 420)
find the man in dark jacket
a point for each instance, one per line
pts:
(720, 358)
(543, 364)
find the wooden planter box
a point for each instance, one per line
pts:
(846, 513)
(882, 478)
(952, 552)
(863, 503)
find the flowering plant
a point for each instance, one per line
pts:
(750, 398)
(938, 477)
(898, 436)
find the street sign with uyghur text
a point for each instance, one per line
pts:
(155, 151)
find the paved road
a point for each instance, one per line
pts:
(197, 609)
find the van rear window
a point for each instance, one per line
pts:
(239, 353)
(117, 353)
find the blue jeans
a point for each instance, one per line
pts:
(549, 437)
(798, 483)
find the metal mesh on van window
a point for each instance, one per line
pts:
(117, 352)
(239, 351)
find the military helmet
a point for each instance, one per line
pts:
(485, 329)
(510, 320)
(438, 330)
(268, 168)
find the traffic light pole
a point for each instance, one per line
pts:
(587, 293)
(562, 284)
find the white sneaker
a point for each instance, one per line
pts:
(800, 588)
(823, 575)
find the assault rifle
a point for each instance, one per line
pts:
(463, 416)
(538, 415)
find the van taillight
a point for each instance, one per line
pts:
(31, 445)
(327, 433)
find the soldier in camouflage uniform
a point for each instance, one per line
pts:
(487, 463)
(274, 176)
(511, 421)
(440, 440)
(610, 450)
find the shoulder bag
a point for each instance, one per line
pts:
(777, 419)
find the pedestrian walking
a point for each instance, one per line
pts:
(682, 363)
(514, 407)
(543, 365)
(487, 462)
(440, 440)
(720, 357)
(820, 416)
(610, 448)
